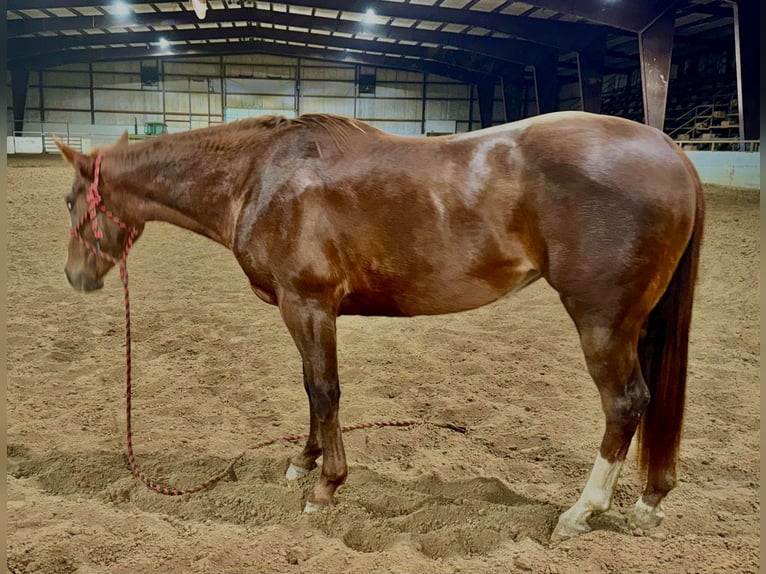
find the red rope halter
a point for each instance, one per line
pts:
(94, 205)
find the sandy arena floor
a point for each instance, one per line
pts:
(215, 370)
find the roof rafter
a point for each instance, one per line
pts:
(632, 16)
(494, 48)
(561, 35)
(38, 48)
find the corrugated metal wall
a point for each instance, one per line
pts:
(108, 97)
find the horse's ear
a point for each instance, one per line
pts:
(81, 162)
(123, 141)
(70, 154)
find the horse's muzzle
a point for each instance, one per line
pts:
(81, 282)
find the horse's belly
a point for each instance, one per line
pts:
(438, 297)
(471, 293)
(371, 304)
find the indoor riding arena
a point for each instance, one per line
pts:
(492, 417)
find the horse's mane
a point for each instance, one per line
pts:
(340, 128)
(239, 134)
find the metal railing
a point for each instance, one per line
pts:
(720, 145)
(699, 118)
(76, 141)
(46, 137)
(689, 121)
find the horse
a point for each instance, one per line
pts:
(330, 216)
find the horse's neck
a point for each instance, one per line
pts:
(191, 191)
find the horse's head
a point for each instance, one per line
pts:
(100, 238)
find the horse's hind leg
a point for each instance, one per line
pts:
(611, 356)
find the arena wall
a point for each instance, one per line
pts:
(729, 168)
(100, 100)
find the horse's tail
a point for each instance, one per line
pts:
(663, 354)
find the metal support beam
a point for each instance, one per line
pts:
(457, 58)
(470, 107)
(547, 87)
(513, 94)
(519, 51)
(224, 96)
(746, 38)
(92, 95)
(633, 16)
(19, 85)
(41, 94)
(655, 45)
(590, 63)
(486, 92)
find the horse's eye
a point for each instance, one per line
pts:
(69, 205)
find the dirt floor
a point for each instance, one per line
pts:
(215, 370)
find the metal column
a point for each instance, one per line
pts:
(92, 96)
(547, 86)
(655, 44)
(746, 42)
(486, 91)
(590, 65)
(513, 93)
(41, 95)
(19, 84)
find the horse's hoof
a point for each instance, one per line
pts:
(565, 530)
(644, 516)
(295, 472)
(312, 507)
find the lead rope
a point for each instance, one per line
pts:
(95, 203)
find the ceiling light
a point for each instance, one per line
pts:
(369, 16)
(164, 43)
(200, 8)
(120, 8)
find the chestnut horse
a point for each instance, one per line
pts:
(330, 216)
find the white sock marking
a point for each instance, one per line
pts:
(295, 472)
(596, 497)
(597, 494)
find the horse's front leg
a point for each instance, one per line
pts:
(303, 463)
(311, 322)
